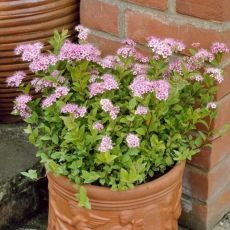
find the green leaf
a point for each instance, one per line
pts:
(89, 177)
(83, 198)
(32, 174)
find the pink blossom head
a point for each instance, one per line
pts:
(29, 52)
(49, 101)
(21, 105)
(42, 62)
(161, 88)
(16, 79)
(211, 105)
(133, 141)
(129, 43)
(77, 111)
(197, 77)
(108, 62)
(61, 91)
(141, 110)
(82, 32)
(219, 47)
(98, 126)
(204, 55)
(106, 144)
(215, 73)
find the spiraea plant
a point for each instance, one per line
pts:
(120, 120)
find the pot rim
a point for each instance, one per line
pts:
(157, 187)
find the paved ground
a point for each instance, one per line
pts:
(40, 223)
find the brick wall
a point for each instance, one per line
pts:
(207, 181)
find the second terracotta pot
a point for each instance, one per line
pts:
(27, 22)
(151, 206)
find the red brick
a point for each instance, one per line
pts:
(205, 185)
(105, 45)
(156, 4)
(100, 16)
(206, 9)
(163, 28)
(223, 114)
(203, 216)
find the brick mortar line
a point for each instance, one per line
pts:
(171, 6)
(105, 35)
(171, 18)
(121, 22)
(209, 200)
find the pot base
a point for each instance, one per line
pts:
(152, 206)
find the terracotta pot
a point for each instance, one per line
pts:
(154, 205)
(28, 21)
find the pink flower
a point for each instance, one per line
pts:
(141, 110)
(107, 106)
(176, 66)
(77, 111)
(69, 108)
(132, 141)
(204, 55)
(83, 32)
(141, 58)
(126, 52)
(129, 42)
(29, 52)
(21, 105)
(75, 52)
(197, 77)
(215, 73)
(218, 47)
(40, 84)
(195, 44)
(165, 47)
(42, 62)
(109, 83)
(50, 100)
(16, 79)
(61, 91)
(139, 69)
(161, 88)
(98, 126)
(106, 144)
(108, 62)
(211, 105)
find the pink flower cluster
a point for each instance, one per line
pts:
(106, 144)
(108, 62)
(141, 110)
(141, 85)
(197, 77)
(41, 84)
(16, 79)
(83, 32)
(75, 52)
(218, 47)
(98, 126)
(108, 83)
(128, 49)
(59, 92)
(29, 51)
(77, 111)
(42, 62)
(133, 141)
(215, 73)
(165, 47)
(107, 106)
(140, 69)
(141, 58)
(204, 55)
(176, 66)
(211, 105)
(21, 105)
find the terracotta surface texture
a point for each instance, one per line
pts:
(154, 205)
(23, 22)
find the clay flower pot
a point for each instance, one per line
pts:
(154, 205)
(24, 22)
